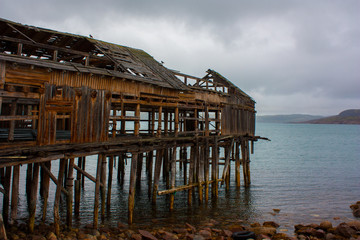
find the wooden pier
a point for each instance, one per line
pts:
(67, 97)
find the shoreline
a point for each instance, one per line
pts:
(209, 230)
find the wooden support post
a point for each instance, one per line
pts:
(166, 167)
(237, 164)
(111, 167)
(173, 177)
(139, 169)
(158, 163)
(57, 197)
(214, 168)
(206, 169)
(33, 197)
(159, 121)
(83, 168)
(15, 193)
(131, 201)
(69, 197)
(77, 188)
(184, 159)
(97, 191)
(137, 121)
(200, 173)
(6, 197)
(45, 183)
(244, 163)
(121, 169)
(191, 172)
(77, 198)
(29, 171)
(248, 163)
(227, 160)
(103, 186)
(150, 164)
(196, 122)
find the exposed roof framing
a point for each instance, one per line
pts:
(43, 47)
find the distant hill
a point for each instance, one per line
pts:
(292, 118)
(351, 116)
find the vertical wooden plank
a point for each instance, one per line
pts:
(2, 75)
(137, 122)
(123, 122)
(159, 121)
(166, 122)
(15, 193)
(173, 177)
(97, 192)
(176, 116)
(111, 167)
(207, 132)
(69, 188)
(57, 197)
(185, 161)
(12, 123)
(153, 122)
(33, 197)
(131, 200)
(158, 163)
(227, 160)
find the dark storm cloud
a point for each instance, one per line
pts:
(291, 56)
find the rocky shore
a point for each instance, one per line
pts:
(205, 231)
(266, 230)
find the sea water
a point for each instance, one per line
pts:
(310, 172)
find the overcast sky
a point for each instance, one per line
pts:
(291, 56)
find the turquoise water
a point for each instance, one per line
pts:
(310, 172)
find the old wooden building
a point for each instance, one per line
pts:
(65, 96)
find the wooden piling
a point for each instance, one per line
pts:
(157, 171)
(44, 192)
(33, 197)
(173, 177)
(191, 172)
(200, 173)
(214, 168)
(150, 164)
(111, 167)
(6, 197)
(131, 200)
(57, 197)
(206, 169)
(237, 164)
(69, 188)
(103, 185)
(97, 191)
(139, 169)
(15, 193)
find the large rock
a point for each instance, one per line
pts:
(269, 231)
(354, 224)
(325, 225)
(147, 235)
(271, 224)
(205, 233)
(344, 230)
(280, 236)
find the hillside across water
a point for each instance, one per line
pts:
(351, 116)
